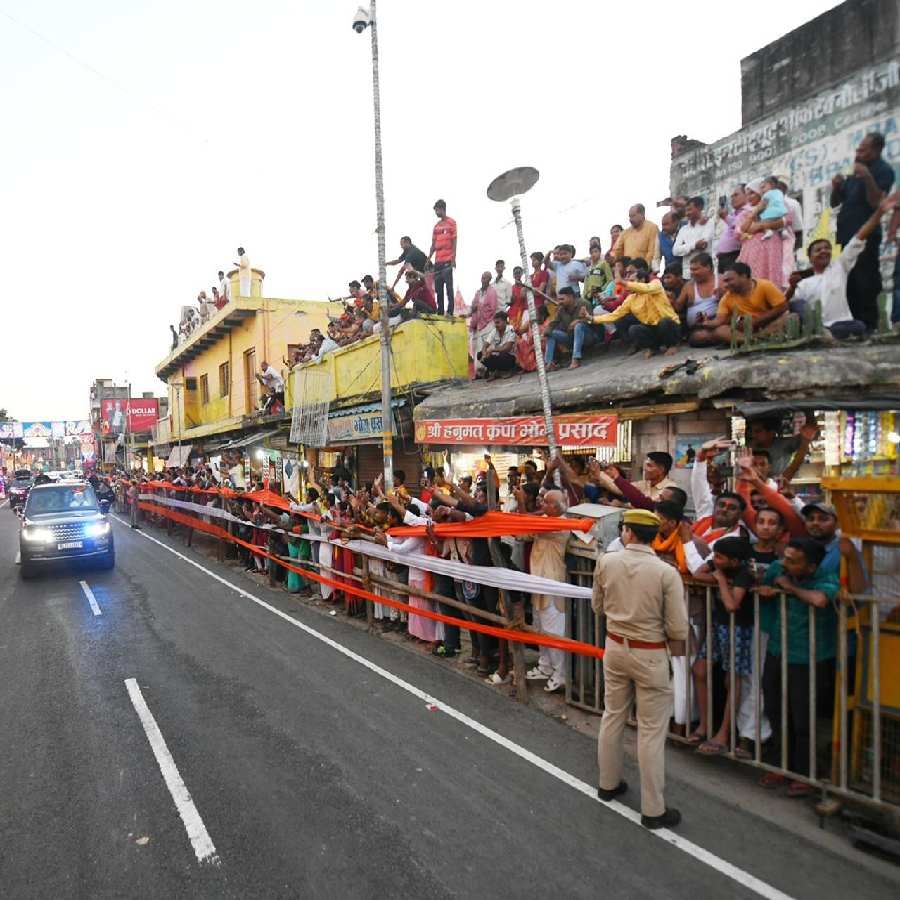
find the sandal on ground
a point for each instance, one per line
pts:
(496, 679)
(712, 748)
(695, 739)
(536, 674)
(742, 750)
(800, 789)
(772, 780)
(443, 650)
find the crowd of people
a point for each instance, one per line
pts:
(193, 317)
(698, 279)
(751, 536)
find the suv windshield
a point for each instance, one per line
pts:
(43, 500)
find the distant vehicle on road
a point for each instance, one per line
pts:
(18, 490)
(65, 522)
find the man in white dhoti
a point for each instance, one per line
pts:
(243, 265)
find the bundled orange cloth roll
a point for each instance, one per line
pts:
(497, 524)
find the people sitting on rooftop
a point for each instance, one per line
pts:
(698, 301)
(570, 328)
(498, 350)
(647, 318)
(745, 298)
(826, 281)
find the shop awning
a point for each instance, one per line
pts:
(825, 404)
(249, 440)
(396, 403)
(179, 456)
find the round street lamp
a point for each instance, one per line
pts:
(510, 186)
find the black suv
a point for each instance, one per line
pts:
(63, 522)
(18, 490)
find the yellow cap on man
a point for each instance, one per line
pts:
(641, 517)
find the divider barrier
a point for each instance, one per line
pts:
(830, 719)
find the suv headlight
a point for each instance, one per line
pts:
(97, 529)
(38, 535)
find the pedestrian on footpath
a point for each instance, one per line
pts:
(133, 504)
(643, 600)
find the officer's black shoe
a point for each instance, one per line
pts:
(611, 794)
(669, 819)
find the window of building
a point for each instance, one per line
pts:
(250, 392)
(224, 379)
(204, 389)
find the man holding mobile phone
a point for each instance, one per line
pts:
(729, 246)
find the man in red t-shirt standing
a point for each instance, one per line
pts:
(443, 249)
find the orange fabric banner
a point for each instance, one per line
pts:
(507, 634)
(497, 524)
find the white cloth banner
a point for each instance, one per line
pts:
(493, 576)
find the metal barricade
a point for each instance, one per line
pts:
(814, 712)
(584, 674)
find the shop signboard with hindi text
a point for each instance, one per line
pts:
(353, 427)
(572, 431)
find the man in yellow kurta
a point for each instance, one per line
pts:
(642, 600)
(641, 240)
(652, 324)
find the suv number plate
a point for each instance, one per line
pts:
(70, 545)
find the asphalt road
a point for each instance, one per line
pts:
(313, 772)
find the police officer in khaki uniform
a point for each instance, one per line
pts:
(643, 600)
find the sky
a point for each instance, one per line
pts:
(144, 142)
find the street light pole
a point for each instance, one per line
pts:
(509, 186)
(361, 20)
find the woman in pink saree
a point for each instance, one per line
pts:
(771, 259)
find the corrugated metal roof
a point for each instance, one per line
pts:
(250, 439)
(365, 408)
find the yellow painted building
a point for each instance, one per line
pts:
(210, 377)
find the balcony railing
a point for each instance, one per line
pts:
(423, 351)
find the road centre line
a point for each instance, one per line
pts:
(95, 607)
(193, 823)
(751, 882)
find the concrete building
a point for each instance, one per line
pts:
(211, 376)
(807, 99)
(112, 446)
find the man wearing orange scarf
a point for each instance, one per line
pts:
(668, 544)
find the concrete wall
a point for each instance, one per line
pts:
(809, 98)
(824, 51)
(807, 142)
